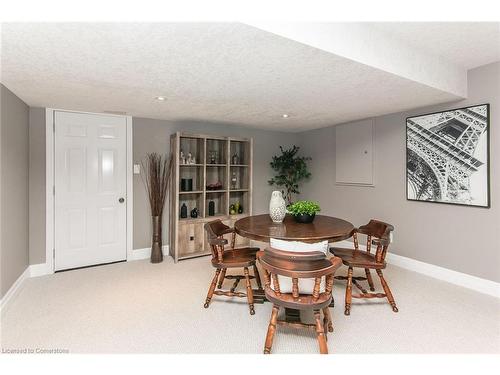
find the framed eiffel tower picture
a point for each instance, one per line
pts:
(448, 155)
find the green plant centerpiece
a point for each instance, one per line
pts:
(290, 169)
(304, 211)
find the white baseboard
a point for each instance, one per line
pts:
(458, 278)
(478, 284)
(145, 253)
(14, 289)
(40, 269)
(137, 254)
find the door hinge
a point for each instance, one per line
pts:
(54, 126)
(54, 254)
(53, 189)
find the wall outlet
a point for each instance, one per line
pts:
(137, 169)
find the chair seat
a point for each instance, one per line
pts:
(357, 258)
(241, 257)
(304, 302)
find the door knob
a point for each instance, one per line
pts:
(121, 200)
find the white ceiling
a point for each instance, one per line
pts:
(467, 44)
(217, 72)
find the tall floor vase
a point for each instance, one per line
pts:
(156, 247)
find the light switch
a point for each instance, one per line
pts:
(137, 169)
(391, 237)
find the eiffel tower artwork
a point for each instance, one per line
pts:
(447, 156)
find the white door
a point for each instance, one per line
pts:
(90, 189)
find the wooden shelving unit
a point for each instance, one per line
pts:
(213, 168)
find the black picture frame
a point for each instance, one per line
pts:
(411, 155)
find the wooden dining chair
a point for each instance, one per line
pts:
(225, 258)
(378, 234)
(281, 265)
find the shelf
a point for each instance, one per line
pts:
(193, 145)
(232, 159)
(190, 219)
(240, 150)
(241, 196)
(242, 178)
(200, 219)
(216, 151)
(191, 172)
(216, 216)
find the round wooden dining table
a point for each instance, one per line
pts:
(323, 228)
(262, 228)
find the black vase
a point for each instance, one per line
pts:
(211, 208)
(304, 218)
(184, 211)
(194, 213)
(186, 184)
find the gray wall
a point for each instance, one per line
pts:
(464, 239)
(37, 186)
(154, 135)
(14, 192)
(448, 236)
(149, 135)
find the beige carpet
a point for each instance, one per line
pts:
(145, 308)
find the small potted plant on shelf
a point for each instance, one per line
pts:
(304, 211)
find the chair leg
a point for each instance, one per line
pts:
(348, 292)
(387, 291)
(249, 291)
(320, 333)
(370, 280)
(221, 278)
(257, 276)
(271, 329)
(327, 321)
(212, 288)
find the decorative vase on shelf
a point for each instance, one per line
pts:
(184, 211)
(235, 160)
(194, 213)
(234, 181)
(277, 207)
(211, 208)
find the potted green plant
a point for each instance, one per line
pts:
(291, 170)
(304, 211)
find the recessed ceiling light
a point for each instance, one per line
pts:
(161, 98)
(285, 115)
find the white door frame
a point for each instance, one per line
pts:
(49, 185)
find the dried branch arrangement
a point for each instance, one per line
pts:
(156, 171)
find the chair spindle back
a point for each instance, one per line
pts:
(215, 231)
(298, 266)
(377, 233)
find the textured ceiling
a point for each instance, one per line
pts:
(218, 72)
(467, 44)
